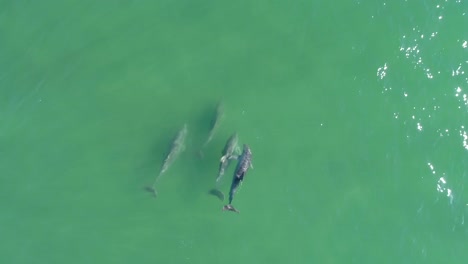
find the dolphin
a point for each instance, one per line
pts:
(215, 122)
(243, 165)
(177, 147)
(230, 152)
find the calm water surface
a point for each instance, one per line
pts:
(356, 114)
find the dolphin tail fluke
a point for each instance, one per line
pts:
(231, 208)
(152, 190)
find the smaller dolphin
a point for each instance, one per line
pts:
(229, 153)
(243, 165)
(177, 147)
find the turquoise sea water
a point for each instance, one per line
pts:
(356, 113)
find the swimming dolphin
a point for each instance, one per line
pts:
(243, 165)
(229, 153)
(215, 122)
(177, 147)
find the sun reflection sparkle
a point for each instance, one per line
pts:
(382, 71)
(431, 167)
(458, 71)
(442, 183)
(441, 133)
(441, 187)
(417, 49)
(464, 135)
(420, 128)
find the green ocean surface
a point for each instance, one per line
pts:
(355, 111)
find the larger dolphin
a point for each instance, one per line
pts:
(177, 146)
(243, 165)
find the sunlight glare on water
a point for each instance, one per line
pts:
(429, 114)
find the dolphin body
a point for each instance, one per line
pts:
(177, 147)
(215, 122)
(230, 152)
(243, 165)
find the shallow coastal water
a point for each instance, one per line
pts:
(356, 115)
